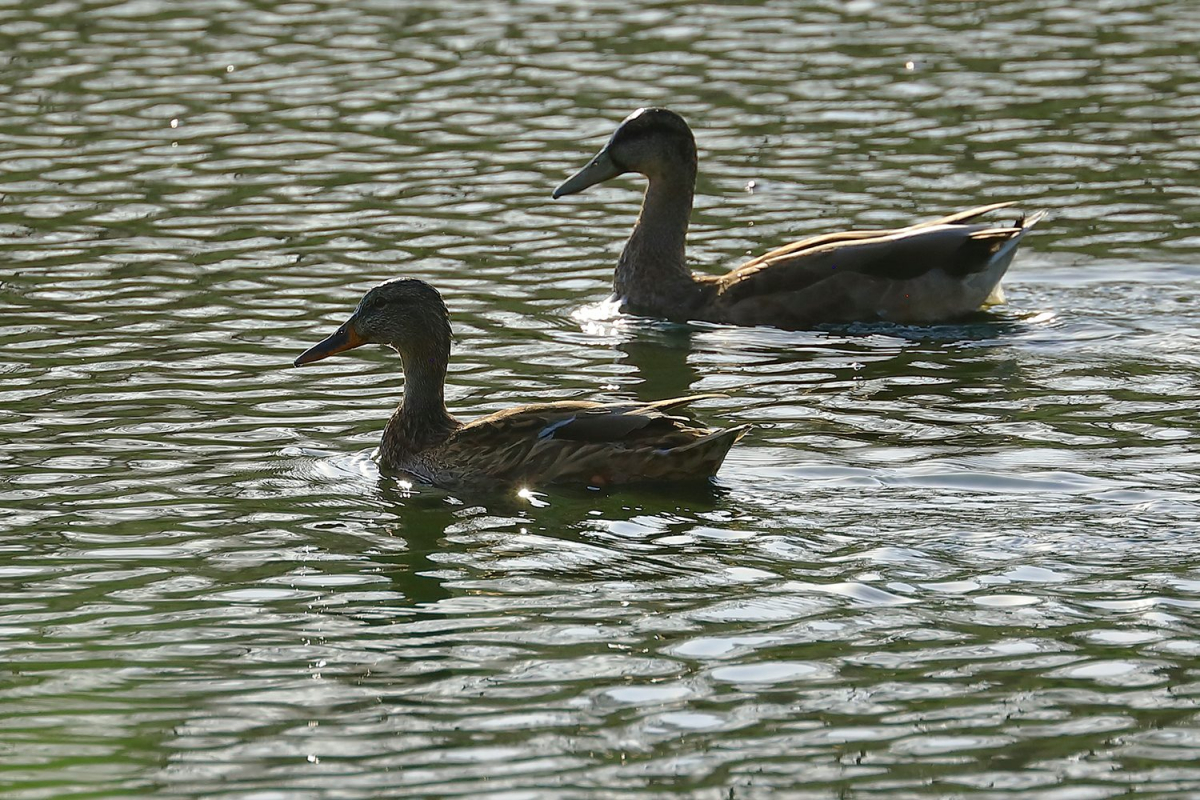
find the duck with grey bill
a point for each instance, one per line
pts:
(935, 271)
(571, 441)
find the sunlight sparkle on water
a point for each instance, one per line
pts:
(592, 315)
(533, 498)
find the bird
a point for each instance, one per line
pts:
(572, 441)
(931, 272)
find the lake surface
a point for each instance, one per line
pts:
(948, 561)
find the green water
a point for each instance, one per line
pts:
(947, 562)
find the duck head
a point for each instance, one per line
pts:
(406, 314)
(651, 141)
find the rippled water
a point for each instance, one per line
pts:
(948, 561)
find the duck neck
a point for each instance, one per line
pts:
(422, 420)
(652, 271)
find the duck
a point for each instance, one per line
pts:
(571, 441)
(932, 272)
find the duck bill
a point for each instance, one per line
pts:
(344, 338)
(599, 169)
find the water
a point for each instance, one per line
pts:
(948, 561)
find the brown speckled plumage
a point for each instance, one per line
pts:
(572, 441)
(930, 272)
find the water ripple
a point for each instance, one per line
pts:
(954, 559)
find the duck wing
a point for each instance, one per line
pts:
(821, 240)
(582, 421)
(596, 442)
(928, 272)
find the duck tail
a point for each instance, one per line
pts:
(704, 456)
(1005, 240)
(1027, 221)
(1017, 232)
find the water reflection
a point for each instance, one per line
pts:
(661, 360)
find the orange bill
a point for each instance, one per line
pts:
(344, 338)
